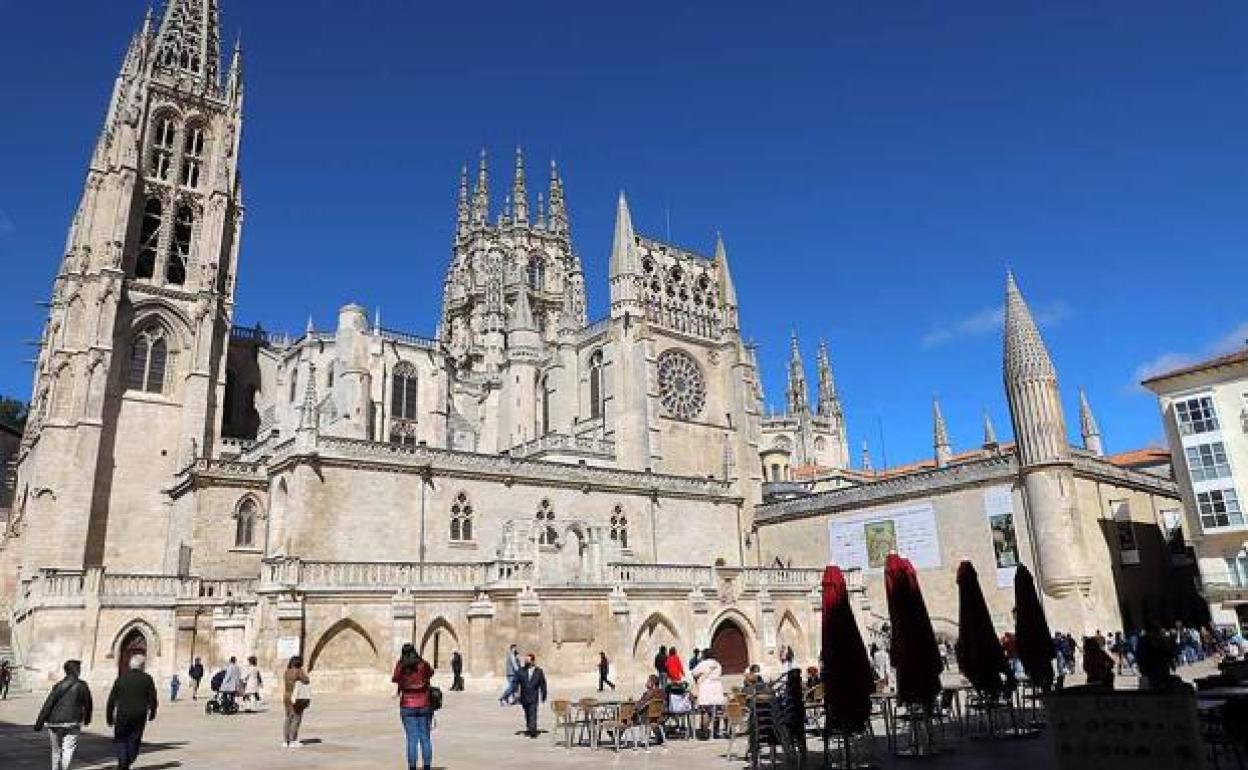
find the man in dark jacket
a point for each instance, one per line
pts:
(457, 671)
(531, 681)
(131, 705)
(65, 712)
(195, 673)
(660, 665)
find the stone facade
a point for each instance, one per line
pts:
(192, 487)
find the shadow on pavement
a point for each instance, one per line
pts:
(24, 748)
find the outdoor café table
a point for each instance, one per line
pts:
(602, 711)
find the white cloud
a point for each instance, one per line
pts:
(989, 321)
(1165, 362)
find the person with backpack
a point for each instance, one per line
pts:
(66, 711)
(195, 673)
(418, 699)
(296, 697)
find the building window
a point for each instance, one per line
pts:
(461, 518)
(163, 142)
(1196, 415)
(148, 359)
(1207, 461)
(149, 239)
(193, 156)
(543, 388)
(180, 245)
(1219, 509)
(537, 273)
(403, 392)
(1237, 570)
(619, 526)
(245, 526)
(546, 534)
(595, 385)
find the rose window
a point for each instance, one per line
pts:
(682, 390)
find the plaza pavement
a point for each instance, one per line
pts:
(361, 732)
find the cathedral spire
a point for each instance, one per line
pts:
(727, 292)
(1031, 385)
(188, 44)
(308, 418)
(829, 403)
(990, 434)
(541, 211)
(481, 194)
(866, 456)
(519, 193)
(799, 401)
(624, 243)
(940, 435)
(558, 207)
(1088, 428)
(462, 209)
(234, 81)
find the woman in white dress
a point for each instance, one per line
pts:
(251, 684)
(709, 690)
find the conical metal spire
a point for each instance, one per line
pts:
(1088, 428)
(481, 193)
(189, 42)
(940, 435)
(519, 192)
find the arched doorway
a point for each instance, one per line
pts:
(729, 647)
(133, 643)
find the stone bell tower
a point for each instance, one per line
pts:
(130, 369)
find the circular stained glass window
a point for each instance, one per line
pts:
(682, 389)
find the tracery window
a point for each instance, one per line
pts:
(537, 273)
(682, 390)
(149, 238)
(164, 140)
(403, 392)
(547, 534)
(180, 245)
(595, 385)
(619, 526)
(193, 155)
(461, 518)
(148, 359)
(245, 524)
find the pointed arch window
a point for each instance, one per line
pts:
(537, 273)
(149, 238)
(245, 523)
(63, 391)
(619, 526)
(148, 361)
(164, 142)
(180, 245)
(403, 392)
(461, 518)
(546, 532)
(596, 410)
(193, 155)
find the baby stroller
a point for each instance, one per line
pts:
(220, 702)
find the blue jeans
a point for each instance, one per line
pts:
(416, 723)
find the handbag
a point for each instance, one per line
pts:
(301, 697)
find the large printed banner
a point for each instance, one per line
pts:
(864, 540)
(999, 506)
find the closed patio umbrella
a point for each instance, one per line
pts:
(847, 677)
(914, 653)
(980, 656)
(1031, 629)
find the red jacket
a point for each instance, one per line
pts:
(675, 669)
(413, 687)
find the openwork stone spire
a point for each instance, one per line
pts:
(462, 209)
(940, 435)
(520, 193)
(829, 403)
(558, 207)
(799, 399)
(189, 43)
(481, 194)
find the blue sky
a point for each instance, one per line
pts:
(874, 168)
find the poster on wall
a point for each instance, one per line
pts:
(864, 540)
(999, 506)
(287, 647)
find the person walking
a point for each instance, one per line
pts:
(709, 690)
(511, 665)
(195, 673)
(252, 682)
(412, 675)
(660, 665)
(65, 712)
(131, 705)
(292, 701)
(674, 667)
(232, 682)
(6, 676)
(532, 684)
(604, 671)
(457, 671)
(175, 684)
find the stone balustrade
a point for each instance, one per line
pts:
(145, 586)
(773, 577)
(561, 442)
(690, 575)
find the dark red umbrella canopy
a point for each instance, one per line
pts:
(1031, 629)
(847, 677)
(980, 656)
(914, 653)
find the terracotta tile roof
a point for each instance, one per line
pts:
(1238, 357)
(929, 464)
(1136, 457)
